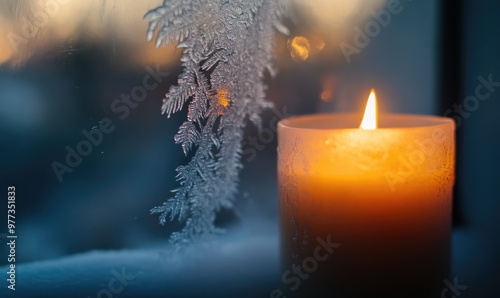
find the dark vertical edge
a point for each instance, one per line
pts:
(450, 87)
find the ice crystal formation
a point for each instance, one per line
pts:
(228, 46)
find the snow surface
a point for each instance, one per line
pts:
(241, 264)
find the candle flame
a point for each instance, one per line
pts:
(370, 117)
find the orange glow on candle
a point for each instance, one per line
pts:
(382, 190)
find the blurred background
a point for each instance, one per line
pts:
(64, 65)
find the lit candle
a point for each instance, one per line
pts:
(366, 210)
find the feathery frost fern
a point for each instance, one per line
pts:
(228, 45)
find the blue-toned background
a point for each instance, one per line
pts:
(67, 76)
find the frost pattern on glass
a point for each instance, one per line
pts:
(227, 47)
